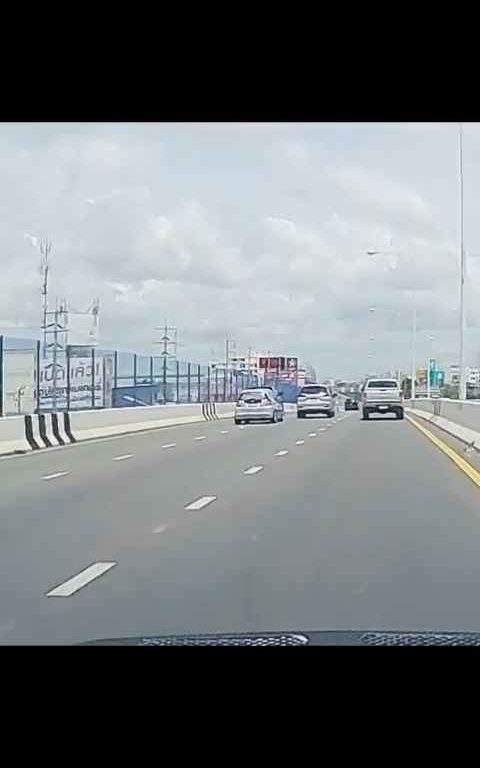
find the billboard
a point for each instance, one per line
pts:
(279, 365)
(271, 364)
(82, 378)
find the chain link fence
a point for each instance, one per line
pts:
(83, 377)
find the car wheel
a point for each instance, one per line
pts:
(237, 421)
(400, 414)
(299, 415)
(365, 414)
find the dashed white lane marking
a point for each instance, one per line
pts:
(300, 442)
(224, 431)
(242, 426)
(201, 502)
(169, 445)
(281, 453)
(312, 434)
(201, 437)
(321, 429)
(54, 475)
(160, 529)
(252, 470)
(80, 580)
(124, 456)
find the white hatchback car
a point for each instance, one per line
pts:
(258, 405)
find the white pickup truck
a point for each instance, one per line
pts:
(382, 396)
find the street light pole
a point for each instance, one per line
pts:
(414, 345)
(462, 389)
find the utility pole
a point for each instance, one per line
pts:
(414, 345)
(227, 355)
(45, 248)
(462, 388)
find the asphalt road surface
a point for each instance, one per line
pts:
(309, 524)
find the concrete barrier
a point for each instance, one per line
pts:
(460, 418)
(13, 435)
(86, 425)
(30, 433)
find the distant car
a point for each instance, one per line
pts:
(258, 404)
(351, 404)
(315, 398)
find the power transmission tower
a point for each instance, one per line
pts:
(169, 339)
(57, 327)
(45, 248)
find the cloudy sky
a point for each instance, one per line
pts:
(256, 231)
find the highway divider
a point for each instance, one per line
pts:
(20, 434)
(459, 418)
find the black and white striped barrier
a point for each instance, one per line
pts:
(46, 430)
(209, 411)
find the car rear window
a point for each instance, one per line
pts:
(252, 397)
(383, 384)
(314, 391)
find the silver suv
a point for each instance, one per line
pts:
(315, 398)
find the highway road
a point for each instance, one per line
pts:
(309, 524)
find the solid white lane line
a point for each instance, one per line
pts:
(55, 474)
(252, 470)
(224, 431)
(312, 434)
(201, 502)
(80, 580)
(281, 453)
(202, 437)
(169, 445)
(160, 529)
(300, 442)
(124, 456)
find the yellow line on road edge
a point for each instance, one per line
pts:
(453, 455)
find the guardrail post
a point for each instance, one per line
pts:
(208, 384)
(115, 369)
(225, 385)
(1, 375)
(135, 369)
(216, 385)
(178, 381)
(189, 398)
(199, 398)
(151, 369)
(93, 377)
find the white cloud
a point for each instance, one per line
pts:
(255, 230)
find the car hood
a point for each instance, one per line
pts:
(294, 638)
